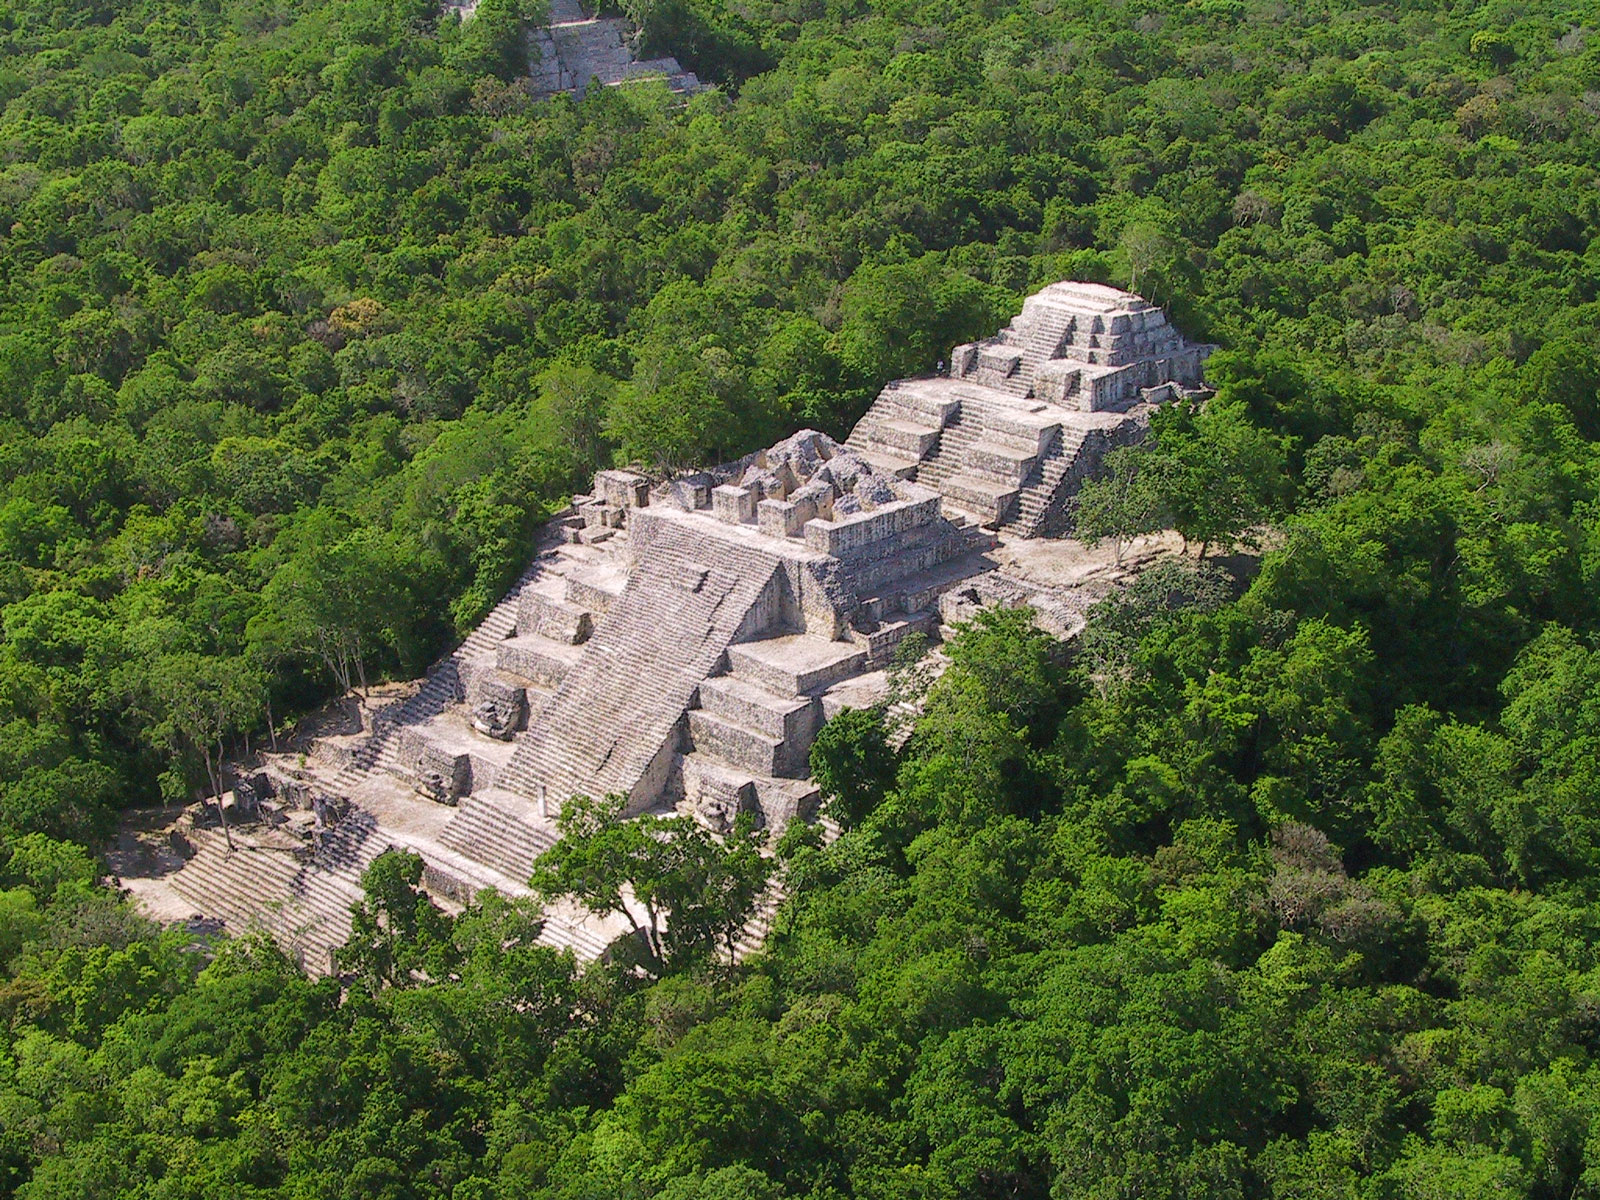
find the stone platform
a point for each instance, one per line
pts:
(680, 642)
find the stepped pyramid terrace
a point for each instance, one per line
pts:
(679, 642)
(1021, 418)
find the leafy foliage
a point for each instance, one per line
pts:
(1281, 886)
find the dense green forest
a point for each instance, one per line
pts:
(1282, 884)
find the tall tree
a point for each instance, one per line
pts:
(197, 703)
(1218, 473)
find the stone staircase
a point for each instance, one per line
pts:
(997, 461)
(586, 946)
(441, 687)
(1032, 347)
(750, 727)
(1045, 340)
(618, 710)
(753, 935)
(502, 830)
(1035, 500)
(901, 429)
(748, 741)
(965, 459)
(305, 908)
(444, 684)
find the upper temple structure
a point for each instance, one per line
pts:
(679, 642)
(1009, 434)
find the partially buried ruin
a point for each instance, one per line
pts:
(679, 642)
(573, 49)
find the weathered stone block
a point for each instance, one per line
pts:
(787, 718)
(534, 658)
(849, 534)
(589, 594)
(716, 797)
(796, 666)
(1006, 464)
(784, 518)
(501, 710)
(558, 620)
(439, 774)
(734, 505)
(623, 489)
(783, 801)
(692, 492)
(733, 743)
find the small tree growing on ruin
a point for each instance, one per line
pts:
(199, 702)
(397, 933)
(853, 764)
(1120, 504)
(693, 892)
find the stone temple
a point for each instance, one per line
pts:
(680, 642)
(1011, 432)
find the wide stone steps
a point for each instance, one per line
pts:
(903, 431)
(899, 436)
(958, 437)
(350, 846)
(305, 909)
(213, 885)
(795, 664)
(502, 830)
(327, 894)
(1045, 339)
(620, 705)
(585, 945)
(784, 717)
(905, 400)
(737, 744)
(986, 499)
(589, 50)
(543, 660)
(548, 757)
